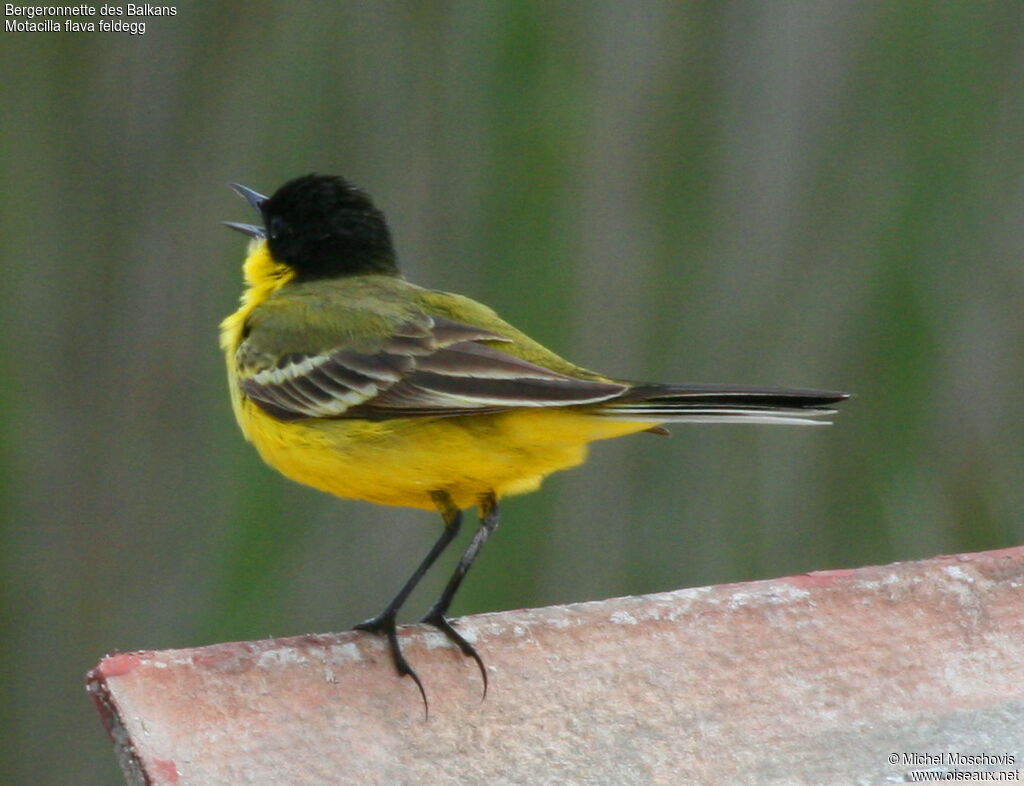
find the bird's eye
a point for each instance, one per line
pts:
(278, 228)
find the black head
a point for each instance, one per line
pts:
(322, 226)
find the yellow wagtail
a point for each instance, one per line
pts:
(348, 378)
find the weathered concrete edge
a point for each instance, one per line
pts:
(665, 605)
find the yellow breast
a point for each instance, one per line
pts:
(398, 462)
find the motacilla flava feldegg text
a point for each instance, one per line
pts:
(348, 378)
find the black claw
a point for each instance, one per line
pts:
(384, 625)
(443, 624)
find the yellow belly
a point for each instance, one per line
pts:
(399, 462)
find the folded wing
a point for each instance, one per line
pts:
(428, 367)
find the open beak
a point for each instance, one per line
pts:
(255, 199)
(251, 230)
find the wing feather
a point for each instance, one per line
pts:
(428, 366)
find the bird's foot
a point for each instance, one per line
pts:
(384, 625)
(437, 618)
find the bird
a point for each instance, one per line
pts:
(350, 379)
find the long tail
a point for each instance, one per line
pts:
(722, 404)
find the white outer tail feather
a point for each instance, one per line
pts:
(662, 414)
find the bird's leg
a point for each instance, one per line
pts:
(384, 623)
(437, 615)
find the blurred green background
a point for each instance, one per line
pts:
(798, 193)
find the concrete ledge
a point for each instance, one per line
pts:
(815, 679)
